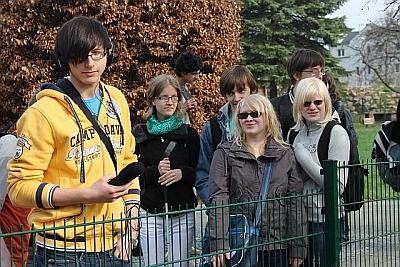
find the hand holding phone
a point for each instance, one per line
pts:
(127, 174)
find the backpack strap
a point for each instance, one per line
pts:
(292, 136)
(71, 91)
(324, 140)
(216, 132)
(263, 192)
(382, 140)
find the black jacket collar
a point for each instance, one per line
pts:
(142, 134)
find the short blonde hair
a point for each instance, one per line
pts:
(261, 104)
(306, 89)
(156, 86)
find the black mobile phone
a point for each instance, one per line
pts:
(127, 174)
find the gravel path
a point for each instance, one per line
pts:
(375, 236)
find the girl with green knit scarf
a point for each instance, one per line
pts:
(168, 180)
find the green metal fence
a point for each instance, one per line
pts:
(374, 229)
(372, 241)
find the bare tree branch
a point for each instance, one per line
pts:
(389, 5)
(378, 47)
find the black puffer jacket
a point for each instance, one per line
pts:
(150, 149)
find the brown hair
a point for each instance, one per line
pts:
(237, 76)
(156, 86)
(330, 82)
(302, 59)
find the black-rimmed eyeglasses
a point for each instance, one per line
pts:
(97, 55)
(315, 72)
(165, 99)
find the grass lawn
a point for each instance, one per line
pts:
(366, 135)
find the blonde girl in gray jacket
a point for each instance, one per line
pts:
(312, 109)
(236, 175)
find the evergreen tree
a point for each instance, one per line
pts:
(273, 29)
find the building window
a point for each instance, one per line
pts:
(397, 67)
(369, 70)
(358, 70)
(340, 52)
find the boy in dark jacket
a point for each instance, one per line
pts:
(304, 63)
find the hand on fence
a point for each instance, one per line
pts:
(295, 262)
(164, 166)
(102, 192)
(219, 260)
(125, 244)
(170, 177)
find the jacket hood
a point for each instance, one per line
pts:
(51, 90)
(54, 91)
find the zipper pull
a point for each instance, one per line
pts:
(162, 139)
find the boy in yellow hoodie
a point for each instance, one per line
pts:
(62, 167)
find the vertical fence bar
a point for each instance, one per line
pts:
(331, 217)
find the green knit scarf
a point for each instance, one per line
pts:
(156, 127)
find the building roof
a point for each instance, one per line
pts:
(349, 37)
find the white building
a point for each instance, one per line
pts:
(347, 52)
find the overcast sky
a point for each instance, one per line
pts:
(360, 12)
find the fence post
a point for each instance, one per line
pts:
(331, 216)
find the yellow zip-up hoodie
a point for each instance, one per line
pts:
(49, 155)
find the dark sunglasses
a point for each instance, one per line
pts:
(244, 115)
(316, 103)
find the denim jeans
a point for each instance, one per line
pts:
(317, 248)
(50, 258)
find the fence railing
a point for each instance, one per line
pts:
(373, 238)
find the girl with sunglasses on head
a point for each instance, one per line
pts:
(170, 171)
(236, 175)
(312, 111)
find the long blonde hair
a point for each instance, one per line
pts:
(306, 89)
(261, 104)
(156, 86)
